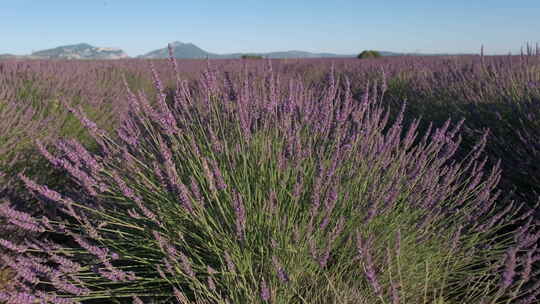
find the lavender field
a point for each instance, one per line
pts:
(403, 179)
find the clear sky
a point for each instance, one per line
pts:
(219, 26)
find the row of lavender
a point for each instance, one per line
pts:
(32, 95)
(278, 182)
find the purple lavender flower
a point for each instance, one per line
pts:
(66, 264)
(51, 298)
(510, 268)
(220, 182)
(180, 296)
(43, 190)
(20, 219)
(195, 190)
(185, 200)
(211, 284)
(229, 261)
(146, 212)
(282, 275)
(533, 84)
(369, 266)
(18, 297)
(527, 264)
(394, 285)
(240, 216)
(323, 258)
(101, 253)
(68, 287)
(265, 292)
(209, 175)
(9, 245)
(133, 213)
(160, 272)
(186, 265)
(273, 202)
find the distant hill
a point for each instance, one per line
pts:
(80, 51)
(191, 51)
(180, 50)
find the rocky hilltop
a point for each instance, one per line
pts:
(80, 51)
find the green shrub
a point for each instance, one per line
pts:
(369, 54)
(252, 57)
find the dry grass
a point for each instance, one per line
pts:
(6, 274)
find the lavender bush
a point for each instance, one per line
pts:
(245, 188)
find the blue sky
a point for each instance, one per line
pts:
(339, 26)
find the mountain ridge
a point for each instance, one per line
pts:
(181, 50)
(189, 50)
